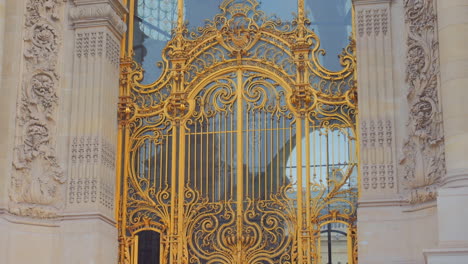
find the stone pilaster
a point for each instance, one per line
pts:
(89, 213)
(93, 127)
(452, 17)
(376, 102)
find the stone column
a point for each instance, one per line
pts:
(453, 195)
(98, 30)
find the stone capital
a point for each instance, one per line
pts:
(92, 13)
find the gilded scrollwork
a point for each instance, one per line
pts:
(240, 75)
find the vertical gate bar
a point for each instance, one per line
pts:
(166, 161)
(180, 203)
(254, 153)
(123, 173)
(120, 175)
(180, 15)
(265, 151)
(219, 156)
(189, 158)
(328, 192)
(213, 180)
(307, 194)
(206, 169)
(126, 37)
(232, 153)
(278, 157)
(195, 163)
(225, 158)
(247, 132)
(131, 19)
(271, 154)
(299, 189)
(350, 244)
(240, 151)
(300, 9)
(172, 234)
(135, 249)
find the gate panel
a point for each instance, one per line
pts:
(244, 150)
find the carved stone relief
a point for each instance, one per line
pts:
(376, 116)
(423, 158)
(84, 187)
(372, 21)
(376, 148)
(37, 181)
(112, 51)
(106, 13)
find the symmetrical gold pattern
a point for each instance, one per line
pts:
(243, 149)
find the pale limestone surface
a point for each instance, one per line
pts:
(47, 227)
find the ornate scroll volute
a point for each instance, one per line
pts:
(126, 110)
(351, 96)
(177, 107)
(128, 71)
(302, 100)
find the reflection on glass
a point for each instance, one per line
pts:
(148, 247)
(197, 12)
(333, 244)
(332, 156)
(332, 21)
(284, 10)
(154, 21)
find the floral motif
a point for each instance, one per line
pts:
(423, 161)
(37, 180)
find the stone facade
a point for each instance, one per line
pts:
(59, 84)
(60, 75)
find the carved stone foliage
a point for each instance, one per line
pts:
(37, 179)
(423, 158)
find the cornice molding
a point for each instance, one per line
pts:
(117, 5)
(380, 203)
(370, 2)
(92, 13)
(455, 178)
(88, 216)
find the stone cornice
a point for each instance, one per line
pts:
(117, 5)
(370, 2)
(88, 216)
(380, 203)
(92, 13)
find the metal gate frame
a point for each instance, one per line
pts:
(238, 40)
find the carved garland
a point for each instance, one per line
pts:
(423, 161)
(37, 178)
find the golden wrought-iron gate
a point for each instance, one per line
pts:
(243, 151)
